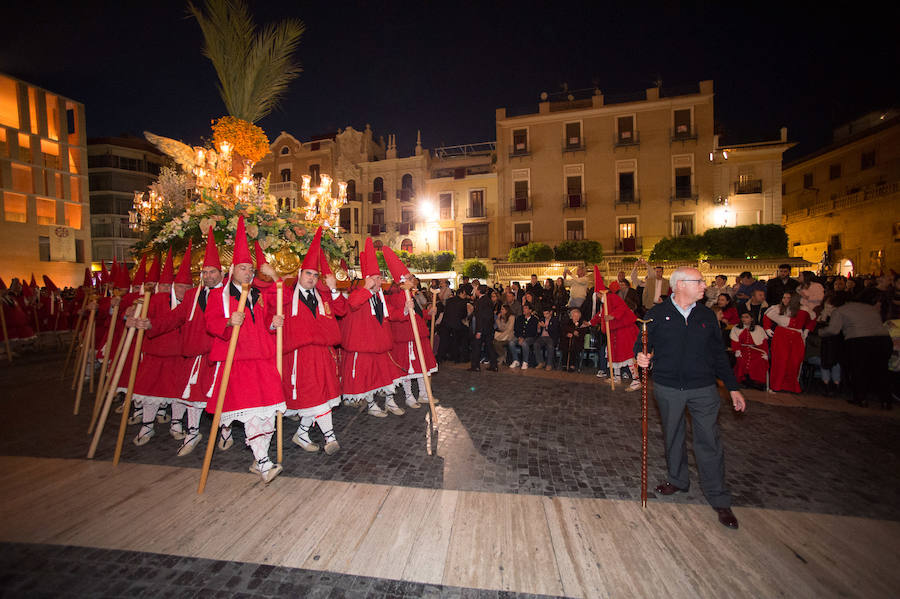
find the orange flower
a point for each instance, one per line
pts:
(247, 139)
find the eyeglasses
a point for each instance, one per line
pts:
(692, 280)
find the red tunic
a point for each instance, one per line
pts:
(254, 388)
(310, 376)
(622, 330)
(366, 363)
(788, 347)
(404, 349)
(751, 350)
(160, 373)
(17, 324)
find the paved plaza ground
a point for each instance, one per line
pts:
(514, 438)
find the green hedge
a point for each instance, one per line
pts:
(533, 252)
(475, 269)
(753, 241)
(586, 250)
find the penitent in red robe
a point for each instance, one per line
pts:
(404, 349)
(366, 363)
(622, 330)
(311, 376)
(788, 347)
(254, 389)
(751, 351)
(159, 374)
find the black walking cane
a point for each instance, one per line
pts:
(645, 377)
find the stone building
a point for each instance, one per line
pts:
(43, 184)
(842, 202)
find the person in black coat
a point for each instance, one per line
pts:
(481, 325)
(778, 286)
(571, 339)
(548, 337)
(454, 333)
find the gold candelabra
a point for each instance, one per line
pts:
(321, 206)
(146, 207)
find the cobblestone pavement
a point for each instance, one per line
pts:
(38, 571)
(516, 432)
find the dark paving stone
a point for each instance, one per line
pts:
(143, 572)
(513, 432)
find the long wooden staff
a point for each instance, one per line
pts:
(426, 378)
(433, 318)
(279, 362)
(612, 381)
(85, 359)
(75, 332)
(121, 359)
(645, 379)
(223, 387)
(79, 354)
(5, 333)
(135, 362)
(107, 346)
(92, 356)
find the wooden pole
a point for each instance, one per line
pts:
(85, 359)
(111, 391)
(92, 356)
(612, 379)
(196, 300)
(76, 330)
(135, 362)
(5, 333)
(426, 378)
(110, 380)
(223, 387)
(279, 361)
(107, 346)
(645, 379)
(434, 316)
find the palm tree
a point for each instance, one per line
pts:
(254, 67)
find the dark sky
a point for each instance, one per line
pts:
(445, 67)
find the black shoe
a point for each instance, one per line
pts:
(726, 517)
(473, 369)
(493, 368)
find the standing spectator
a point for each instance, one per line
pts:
(571, 340)
(830, 346)
(787, 325)
(719, 286)
(751, 352)
(444, 291)
(548, 337)
(747, 285)
(505, 337)
(812, 293)
(729, 312)
(868, 348)
(756, 306)
(560, 297)
(526, 331)
(578, 286)
(495, 301)
(781, 284)
(628, 295)
(453, 331)
(517, 289)
(656, 287)
(687, 354)
(482, 326)
(534, 288)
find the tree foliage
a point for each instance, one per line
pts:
(753, 241)
(475, 268)
(591, 252)
(533, 252)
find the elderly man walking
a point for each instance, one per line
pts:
(687, 356)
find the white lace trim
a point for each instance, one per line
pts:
(387, 389)
(316, 410)
(261, 412)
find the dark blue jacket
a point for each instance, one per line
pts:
(686, 355)
(552, 328)
(526, 329)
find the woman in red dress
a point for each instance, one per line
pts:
(787, 325)
(751, 351)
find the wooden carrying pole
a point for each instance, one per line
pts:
(82, 348)
(107, 380)
(434, 317)
(121, 359)
(135, 362)
(223, 387)
(5, 333)
(76, 330)
(645, 379)
(107, 345)
(612, 381)
(92, 355)
(279, 361)
(86, 359)
(426, 378)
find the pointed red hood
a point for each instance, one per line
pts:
(311, 260)
(184, 271)
(104, 274)
(168, 271)
(368, 260)
(140, 274)
(121, 280)
(48, 283)
(153, 274)
(259, 254)
(212, 252)
(599, 285)
(397, 268)
(88, 279)
(3, 286)
(241, 247)
(33, 283)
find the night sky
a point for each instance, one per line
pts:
(445, 67)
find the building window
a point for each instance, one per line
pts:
(351, 190)
(626, 236)
(14, 207)
(625, 129)
(626, 187)
(52, 117)
(21, 179)
(46, 211)
(378, 219)
(446, 206)
(520, 197)
(783, 189)
(573, 135)
(682, 123)
(682, 225)
(9, 103)
(521, 234)
(356, 220)
(406, 245)
(73, 215)
(520, 141)
(285, 150)
(475, 240)
(285, 175)
(445, 241)
(574, 196)
(867, 160)
(476, 204)
(574, 230)
(377, 190)
(344, 222)
(405, 193)
(44, 248)
(807, 181)
(314, 174)
(79, 250)
(834, 172)
(683, 183)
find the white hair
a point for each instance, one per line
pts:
(681, 273)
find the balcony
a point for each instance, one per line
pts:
(748, 186)
(627, 139)
(574, 201)
(377, 229)
(476, 211)
(683, 133)
(573, 144)
(628, 197)
(376, 197)
(285, 189)
(519, 150)
(684, 193)
(521, 239)
(405, 195)
(628, 244)
(520, 204)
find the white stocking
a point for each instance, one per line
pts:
(259, 434)
(389, 400)
(325, 425)
(303, 430)
(178, 410)
(193, 418)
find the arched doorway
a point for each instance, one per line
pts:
(406, 245)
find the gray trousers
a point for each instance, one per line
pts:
(703, 404)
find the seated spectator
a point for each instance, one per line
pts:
(751, 352)
(548, 337)
(868, 348)
(571, 340)
(787, 325)
(495, 301)
(756, 306)
(729, 312)
(781, 284)
(812, 293)
(719, 286)
(515, 306)
(748, 285)
(526, 331)
(504, 338)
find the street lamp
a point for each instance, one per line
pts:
(429, 215)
